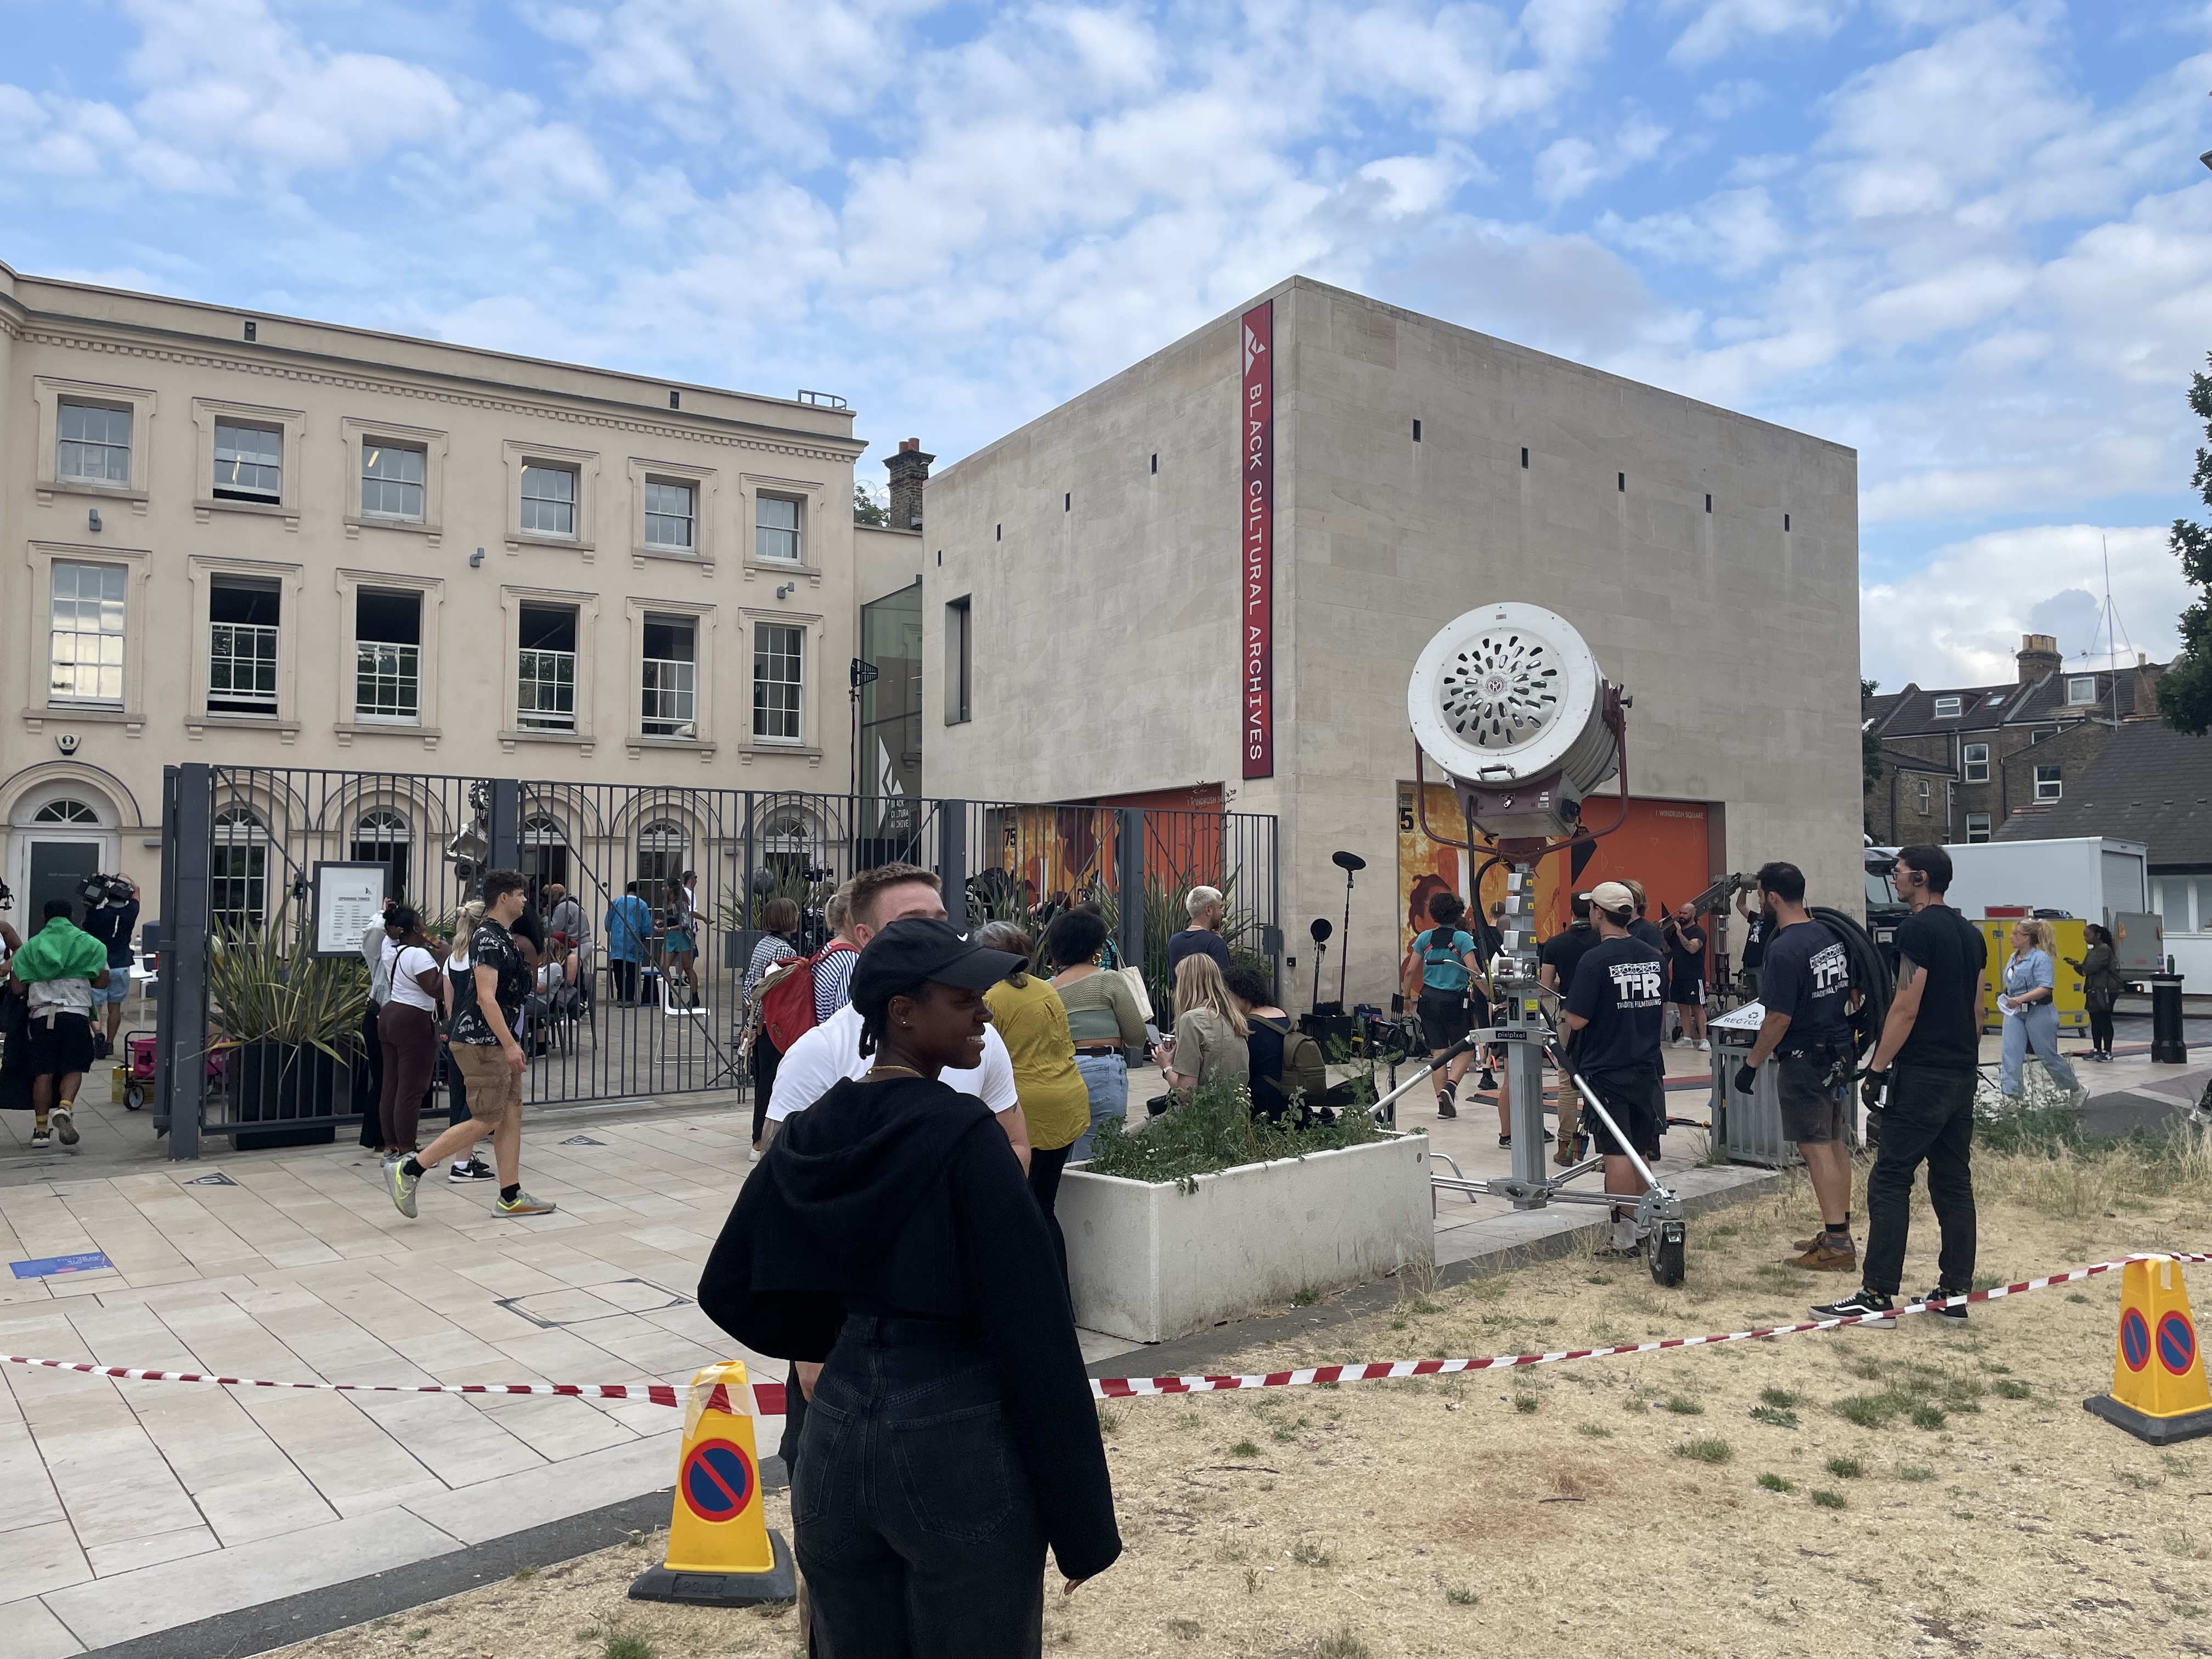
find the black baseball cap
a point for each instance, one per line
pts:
(922, 948)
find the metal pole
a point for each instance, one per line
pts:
(952, 859)
(506, 827)
(184, 960)
(1129, 885)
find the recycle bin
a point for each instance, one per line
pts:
(1746, 1127)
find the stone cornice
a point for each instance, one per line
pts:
(837, 452)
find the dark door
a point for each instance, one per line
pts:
(57, 870)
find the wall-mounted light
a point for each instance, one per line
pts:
(92, 519)
(475, 558)
(786, 590)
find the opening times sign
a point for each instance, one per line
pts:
(1256, 487)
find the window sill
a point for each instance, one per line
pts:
(638, 553)
(196, 725)
(35, 719)
(357, 522)
(207, 505)
(517, 540)
(582, 742)
(778, 568)
(50, 488)
(703, 747)
(347, 731)
(749, 752)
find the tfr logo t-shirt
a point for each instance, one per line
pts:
(1618, 988)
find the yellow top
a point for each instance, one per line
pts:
(1033, 1026)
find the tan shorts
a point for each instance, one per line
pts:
(494, 1087)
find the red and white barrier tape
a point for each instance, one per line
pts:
(767, 1397)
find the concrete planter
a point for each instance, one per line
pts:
(1152, 1262)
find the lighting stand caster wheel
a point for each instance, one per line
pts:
(1664, 1250)
(134, 1097)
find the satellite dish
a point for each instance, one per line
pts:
(1509, 701)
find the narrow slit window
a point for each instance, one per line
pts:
(1709, 503)
(1417, 432)
(1525, 458)
(1620, 481)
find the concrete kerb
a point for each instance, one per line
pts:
(359, 1601)
(1192, 1356)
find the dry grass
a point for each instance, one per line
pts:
(1934, 1490)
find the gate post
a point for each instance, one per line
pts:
(952, 859)
(505, 829)
(1129, 886)
(181, 1009)
(746, 874)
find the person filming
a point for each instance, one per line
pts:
(1807, 974)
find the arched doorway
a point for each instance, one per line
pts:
(660, 860)
(238, 869)
(382, 837)
(62, 835)
(545, 851)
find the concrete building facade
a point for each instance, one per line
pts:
(250, 540)
(1088, 607)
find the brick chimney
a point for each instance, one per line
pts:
(909, 471)
(2038, 656)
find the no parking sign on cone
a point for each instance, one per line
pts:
(720, 1551)
(2159, 1391)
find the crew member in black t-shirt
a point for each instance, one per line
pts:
(1808, 1028)
(1756, 931)
(1923, 1082)
(1686, 973)
(1614, 1003)
(1558, 958)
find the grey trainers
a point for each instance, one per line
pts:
(64, 1122)
(403, 1188)
(525, 1205)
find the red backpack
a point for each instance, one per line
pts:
(788, 1006)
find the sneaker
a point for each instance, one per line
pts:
(1565, 1157)
(1704, 1047)
(1445, 1108)
(41, 1140)
(403, 1188)
(101, 1049)
(525, 1205)
(1857, 1306)
(1801, 1245)
(64, 1122)
(467, 1170)
(1935, 1299)
(1488, 1081)
(1828, 1255)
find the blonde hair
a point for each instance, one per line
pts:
(1198, 984)
(837, 913)
(2040, 933)
(1635, 888)
(464, 923)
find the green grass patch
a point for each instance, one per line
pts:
(1593, 1430)
(1339, 1644)
(1681, 1406)
(1309, 1555)
(2011, 1388)
(1914, 1473)
(1705, 1452)
(1774, 1416)
(1928, 1417)
(1828, 1500)
(1776, 1483)
(1524, 1403)
(1184, 1630)
(1871, 1411)
(1846, 1468)
(1460, 1595)
(1245, 1448)
(1781, 1399)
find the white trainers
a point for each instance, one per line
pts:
(1704, 1047)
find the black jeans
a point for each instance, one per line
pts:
(1929, 1118)
(766, 1058)
(625, 978)
(912, 1517)
(1044, 1182)
(2101, 1028)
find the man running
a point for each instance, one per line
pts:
(486, 1014)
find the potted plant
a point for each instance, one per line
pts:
(288, 1024)
(1203, 1214)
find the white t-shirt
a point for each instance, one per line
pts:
(831, 1051)
(405, 964)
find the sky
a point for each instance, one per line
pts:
(1972, 241)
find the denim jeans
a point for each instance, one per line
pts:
(1107, 1077)
(2036, 1029)
(911, 1514)
(1930, 1118)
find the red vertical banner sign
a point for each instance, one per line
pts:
(1256, 485)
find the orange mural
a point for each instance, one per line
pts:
(1663, 845)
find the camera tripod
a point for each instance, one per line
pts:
(1525, 1033)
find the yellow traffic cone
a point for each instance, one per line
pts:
(2159, 1392)
(720, 1551)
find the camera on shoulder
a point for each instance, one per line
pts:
(98, 892)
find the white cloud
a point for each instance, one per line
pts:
(1958, 621)
(1723, 25)
(1569, 167)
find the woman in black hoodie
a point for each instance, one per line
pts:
(951, 1435)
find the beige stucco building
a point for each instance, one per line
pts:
(1089, 611)
(250, 540)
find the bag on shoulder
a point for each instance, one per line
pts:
(787, 1005)
(1134, 979)
(1304, 1069)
